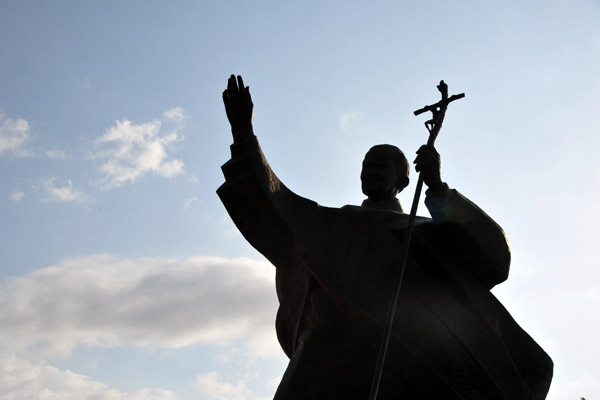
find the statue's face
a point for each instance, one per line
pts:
(379, 177)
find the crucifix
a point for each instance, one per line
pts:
(433, 126)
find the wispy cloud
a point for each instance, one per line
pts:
(14, 137)
(187, 203)
(348, 121)
(56, 153)
(128, 151)
(64, 194)
(175, 114)
(17, 195)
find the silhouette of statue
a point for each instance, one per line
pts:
(452, 339)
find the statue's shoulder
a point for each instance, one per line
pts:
(350, 208)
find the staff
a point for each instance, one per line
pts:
(433, 126)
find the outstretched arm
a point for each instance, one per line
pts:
(268, 214)
(239, 108)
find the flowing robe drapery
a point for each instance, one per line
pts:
(452, 339)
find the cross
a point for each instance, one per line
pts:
(433, 126)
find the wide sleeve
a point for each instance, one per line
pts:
(271, 217)
(471, 235)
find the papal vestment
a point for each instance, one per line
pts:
(335, 267)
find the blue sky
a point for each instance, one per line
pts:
(121, 275)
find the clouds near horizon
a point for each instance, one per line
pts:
(212, 385)
(109, 301)
(21, 379)
(104, 300)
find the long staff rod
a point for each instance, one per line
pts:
(433, 126)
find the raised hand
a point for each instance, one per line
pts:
(239, 108)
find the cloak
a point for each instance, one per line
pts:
(452, 339)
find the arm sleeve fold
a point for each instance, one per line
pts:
(472, 235)
(270, 216)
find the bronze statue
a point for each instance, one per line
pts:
(451, 337)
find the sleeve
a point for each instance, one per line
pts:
(271, 217)
(472, 235)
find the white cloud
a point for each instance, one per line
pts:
(187, 203)
(56, 153)
(106, 301)
(129, 151)
(21, 379)
(175, 114)
(214, 387)
(65, 194)
(17, 195)
(14, 137)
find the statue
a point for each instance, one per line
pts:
(451, 338)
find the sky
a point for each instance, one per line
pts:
(121, 274)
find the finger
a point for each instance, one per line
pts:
(244, 90)
(232, 85)
(422, 149)
(229, 84)
(426, 148)
(424, 167)
(247, 94)
(424, 157)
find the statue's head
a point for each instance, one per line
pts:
(384, 172)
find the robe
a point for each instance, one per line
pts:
(452, 339)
